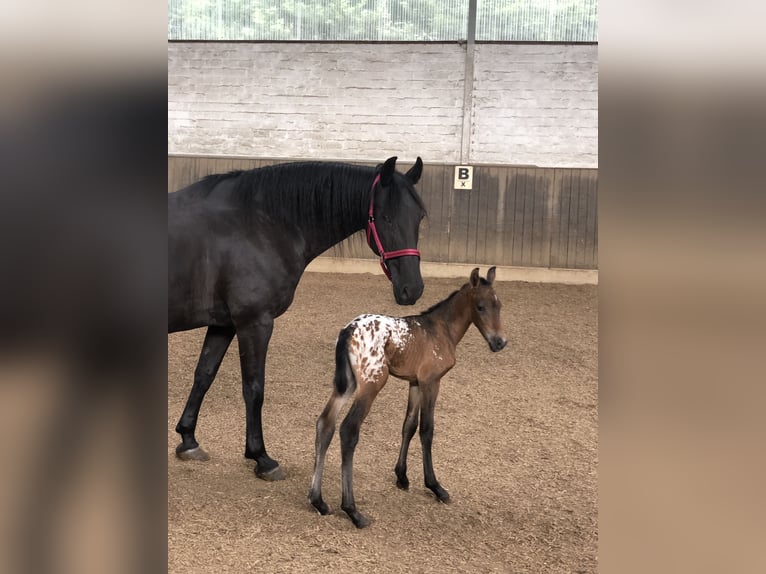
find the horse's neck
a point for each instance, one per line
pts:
(456, 315)
(320, 235)
(320, 240)
(318, 205)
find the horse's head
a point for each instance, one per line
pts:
(485, 309)
(398, 211)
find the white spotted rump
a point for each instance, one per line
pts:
(368, 342)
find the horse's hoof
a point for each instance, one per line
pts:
(403, 484)
(359, 519)
(271, 475)
(322, 508)
(440, 494)
(192, 454)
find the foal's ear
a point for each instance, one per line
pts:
(491, 275)
(387, 171)
(475, 277)
(415, 171)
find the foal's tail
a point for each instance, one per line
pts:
(345, 380)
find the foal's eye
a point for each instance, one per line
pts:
(480, 307)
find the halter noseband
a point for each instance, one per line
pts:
(372, 233)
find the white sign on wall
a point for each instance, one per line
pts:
(463, 177)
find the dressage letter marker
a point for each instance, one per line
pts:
(463, 177)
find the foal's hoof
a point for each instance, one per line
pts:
(272, 475)
(443, 496)
(359, 519)
(192, 453)
(362, 522)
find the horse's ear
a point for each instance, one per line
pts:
(491, 275)
(475, 277)
(415, 171)
(387, 171)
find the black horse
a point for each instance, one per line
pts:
(238, 244)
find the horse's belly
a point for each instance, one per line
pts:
(185, 317)
(193, 297)
(404, 372)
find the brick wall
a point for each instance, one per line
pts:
(532, 104)
(535, 104)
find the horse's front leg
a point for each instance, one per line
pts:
(253, 344)
(408, 431)
(429, 391)
(214, 348)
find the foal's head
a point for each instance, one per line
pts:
(485, 309)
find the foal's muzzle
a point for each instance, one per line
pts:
(497, 343)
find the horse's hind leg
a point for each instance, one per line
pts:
(408, 431)
(429, 393)
(325, 430)
(217, 340)
(349, 437)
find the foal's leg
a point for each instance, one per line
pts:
(325, 430)
(429, 392)
(214, 348)
(408, 431)
(253, 343)
(349, 437)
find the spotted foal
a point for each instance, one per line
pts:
(419, 349)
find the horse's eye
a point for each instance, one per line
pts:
(387, 219)
(480, 307)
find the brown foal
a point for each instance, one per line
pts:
(419, 349)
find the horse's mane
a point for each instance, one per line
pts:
(326, 193)
(210, 181)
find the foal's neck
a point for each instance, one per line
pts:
(456, 314)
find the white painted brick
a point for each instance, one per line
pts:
(535, 104)
(532, 104)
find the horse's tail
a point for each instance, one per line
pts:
(345, 380)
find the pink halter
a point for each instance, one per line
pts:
(372, 233)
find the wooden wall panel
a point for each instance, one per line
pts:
(485, 190)
(459, 226)
(434, 232)
(591, 238)
(560, 221)
(513, 216)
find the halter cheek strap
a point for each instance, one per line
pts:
(372, 234)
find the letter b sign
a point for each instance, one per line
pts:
(463, 177)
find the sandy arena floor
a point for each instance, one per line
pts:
(515, 444)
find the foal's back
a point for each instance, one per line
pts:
(407, 347)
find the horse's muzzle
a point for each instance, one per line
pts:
(408, 294)
(497, 344)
